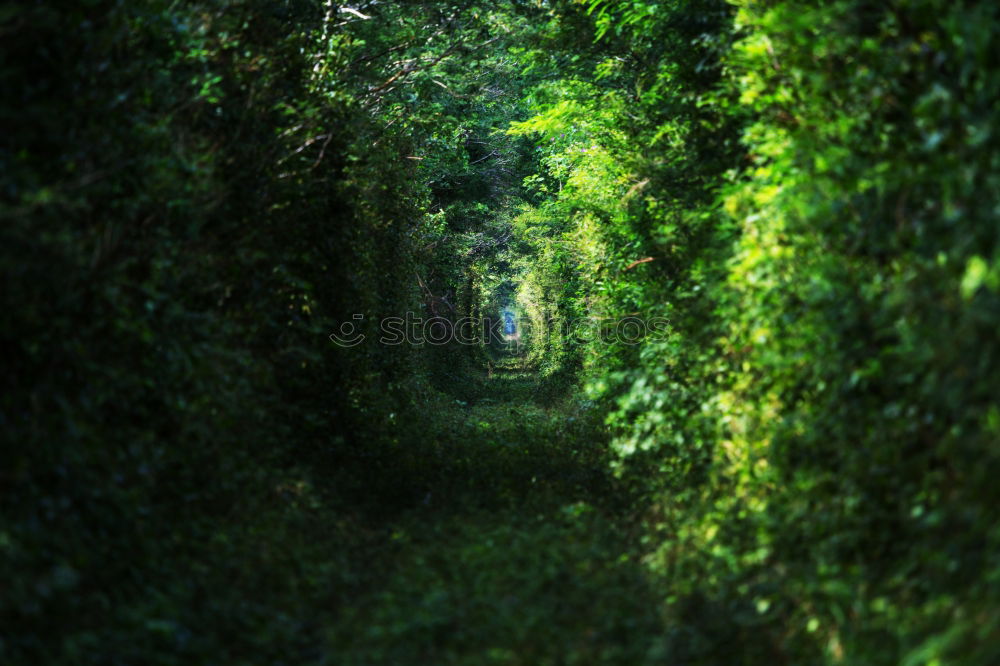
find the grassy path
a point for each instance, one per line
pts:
(515, 554)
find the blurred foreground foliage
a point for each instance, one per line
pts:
(191, 204)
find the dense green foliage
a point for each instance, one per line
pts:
(797, 202)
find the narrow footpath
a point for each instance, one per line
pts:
(515, 554)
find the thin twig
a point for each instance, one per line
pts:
(635, 263)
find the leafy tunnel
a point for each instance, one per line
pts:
(511, 332)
